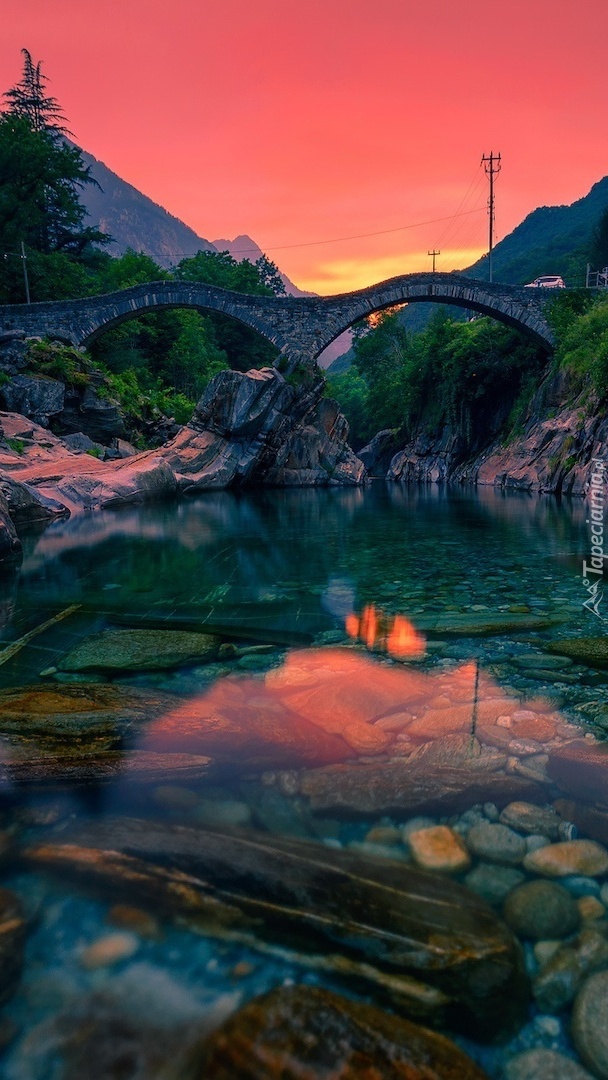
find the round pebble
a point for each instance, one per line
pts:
(492, 882)
(541, 909)
(543, 1064)
(528, 818)
(589, 1028)
(109, 950)
(383, 834)
(569, 857)
(535, 842)
(590, 908)
(496, 842)
(439, 848)
(579, 885)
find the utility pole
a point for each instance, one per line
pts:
(491, 164)
(433, 253)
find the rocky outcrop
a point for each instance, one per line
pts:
(379, 453)
(35, 396)
(88, 411)
(248, 428)
(562, 432)
(269, 432)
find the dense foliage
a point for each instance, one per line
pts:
(453, 373)
(581, 322)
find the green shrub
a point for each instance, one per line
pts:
(62, 362)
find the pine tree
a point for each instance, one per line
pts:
(30, 100)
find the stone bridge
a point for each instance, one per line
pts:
(299, 327)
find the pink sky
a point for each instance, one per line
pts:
(298, 121)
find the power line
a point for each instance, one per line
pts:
(469, 193)
(341, 239)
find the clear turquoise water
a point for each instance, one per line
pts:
(284, 567)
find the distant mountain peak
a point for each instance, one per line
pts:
(243, 247)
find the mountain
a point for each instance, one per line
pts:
(550, 240)
(134, 220)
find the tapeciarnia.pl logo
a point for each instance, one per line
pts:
(593, 572)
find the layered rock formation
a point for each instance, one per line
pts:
(561, 434)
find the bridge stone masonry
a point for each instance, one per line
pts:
(300, 328)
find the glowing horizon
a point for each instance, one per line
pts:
(297, 123)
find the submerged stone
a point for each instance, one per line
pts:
(486, 625)
(77, 732)
(493, 882)
(530, 819)
(585, 857)
(412, 924)
(592, 651)
(496, 842)
(439, 848)
(303, 1031)
(541, 909)
(404, 786)
(589, 1029)
(140, 650)
(544, 1065)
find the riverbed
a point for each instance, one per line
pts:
(320, 647)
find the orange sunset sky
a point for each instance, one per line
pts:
(311, 120)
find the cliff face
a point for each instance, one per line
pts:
(560, 435)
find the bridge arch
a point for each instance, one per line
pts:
(300, 327)
(516, 306)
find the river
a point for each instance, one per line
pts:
(387, 625)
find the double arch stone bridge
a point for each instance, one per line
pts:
(299, 327)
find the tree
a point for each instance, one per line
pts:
(244, 347)
(41, 174)
(29, 100)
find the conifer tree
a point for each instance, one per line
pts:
(30, 100)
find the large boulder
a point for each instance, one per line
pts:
(317, 452)
(269, 432)
(243, 404)
(26, 506)
(303, 1031)
(443, 947)
(92, 413)
(35, 396)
